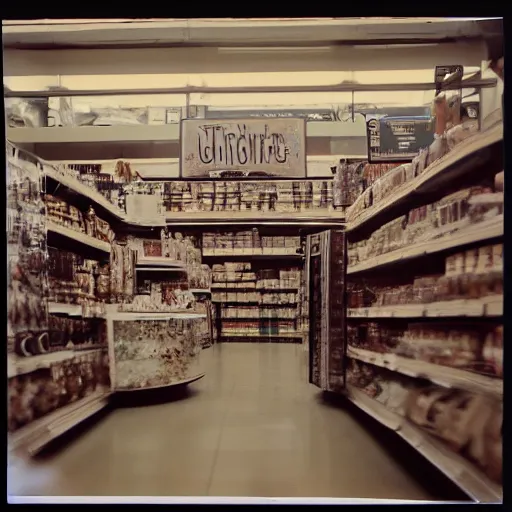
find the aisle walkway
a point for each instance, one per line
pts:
(251, 427)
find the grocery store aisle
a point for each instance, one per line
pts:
(251, 427)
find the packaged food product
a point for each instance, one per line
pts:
(460, 132)
(499, 181)
(437, 149)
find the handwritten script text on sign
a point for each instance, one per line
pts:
(274, 146)
(241, 146)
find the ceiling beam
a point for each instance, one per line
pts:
(222, 32)
(343, 87)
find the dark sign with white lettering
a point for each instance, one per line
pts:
(317, 114)
(398, 139)
(255, 147)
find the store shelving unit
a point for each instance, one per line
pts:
(31, 437)
(36, 435)
(482, 232)
(248, 336)
(491, 306)
(35, 418)
(468, 156)
(444, 176)
(154, 315)
(455, 467)
(23, 365)
(161, 269)
(71, 184)
(193, 219)
(76, 310)
(253, 254)
(159, 263)
(76, 236)
(257, 218)
(240, 285)
(57, 308)
(442, 375)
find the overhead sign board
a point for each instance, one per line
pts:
(318, 114)
(398, 139)
(245, 147)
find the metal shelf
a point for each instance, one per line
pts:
(464, 158)
(154, 315)
(480, 232)
(21, 365)
(283, 254)
(77, 236)
(37, 434)
(60, 308)
(491, 306)
(441, 375)
(466, 475)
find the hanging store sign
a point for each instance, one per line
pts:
(253, 147)
(398, 139)
(320, 114)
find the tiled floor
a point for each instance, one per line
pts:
(252, 427)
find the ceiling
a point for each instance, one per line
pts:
(114, 33)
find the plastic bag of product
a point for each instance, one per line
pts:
(499, 181)
(419, 162)
(357, 207)
(389, 182)
(419, 402)
(408, 172)
(380, 187)
(437, 149)
(493, 350)
(460, 132)
(493, 459)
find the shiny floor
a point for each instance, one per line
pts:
(252, 427)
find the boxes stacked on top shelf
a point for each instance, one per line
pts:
(254, 308)
(243, 297)
(287, 280)
(264, 196)
(249, 243)
(233, 274)
(73, 111)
